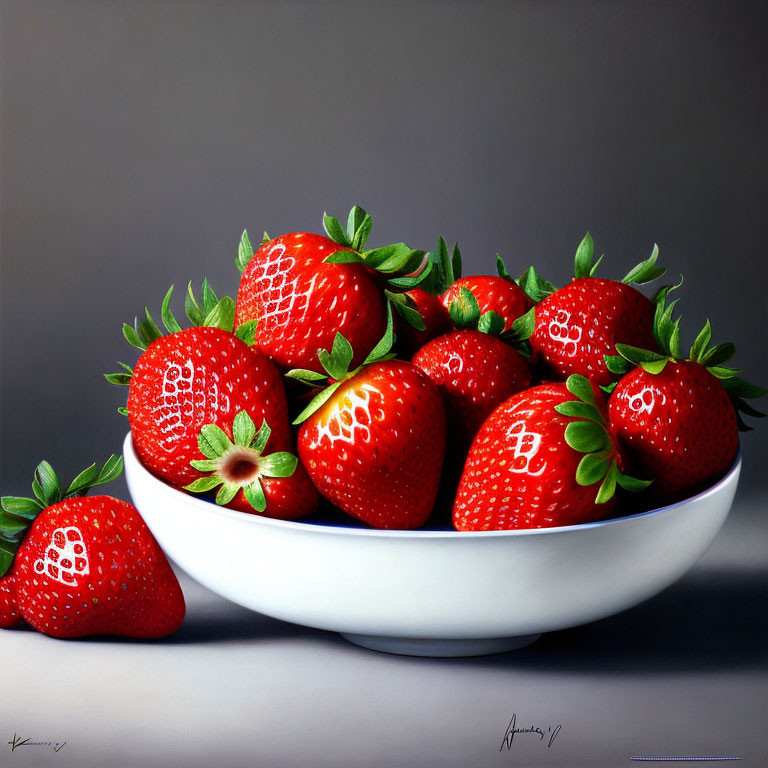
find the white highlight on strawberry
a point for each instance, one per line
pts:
(281, 302)
(344, 421)
(644, 400)
(65, 557)
(525, 445)
(454, 363)
(176, 411)
(562, 332)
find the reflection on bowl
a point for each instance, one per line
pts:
(431, 593)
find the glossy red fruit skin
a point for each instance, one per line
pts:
(376, 448)
(520, 473)
(491, 292)
(474, 373)
(195, 377)
(9, 612)
(578, 324)
(301, 302)
(202, 376)
(435, 317)
(123, 584)
(678, 427)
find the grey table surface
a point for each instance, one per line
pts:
(684, 674)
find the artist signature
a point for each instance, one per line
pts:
(550, 733)
(17, 742)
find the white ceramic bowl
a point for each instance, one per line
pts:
(431, 593)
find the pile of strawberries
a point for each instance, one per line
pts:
(412, 384)
(419, 396)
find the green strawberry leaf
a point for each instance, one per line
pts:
(579, 410)
(384, 345)
(244, 252)
(246, 332)
(501, 268)
(259, 443)
(535, 286)
(213, 441)
(617, 364)
(203, 484)
(586, 436)
(169, 321)
(646, 271)
(282, 464)
(254, 494)
(243, 429)
(21, 506)
(592, 468)
(49, 484)
(226, 493)
(335, 231)
(491, 323)
(344, 257)
(701, 343)
(403, 307)
(359, 225)
(632, 484)
(464, 310)
(317, 402)
(585, 253)
(222, 315)
(608, 486)
(579, 385)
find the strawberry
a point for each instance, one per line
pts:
(203, 378)
(496, 293)
(9, 612)
(304, 289)
(678, 419)
(373, 441)
(77, 566)
(576, 326)
(536, 459)
(252, 481)
(474, 372)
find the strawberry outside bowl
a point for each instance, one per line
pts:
(430, 592)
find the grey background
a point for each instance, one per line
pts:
(138, 139)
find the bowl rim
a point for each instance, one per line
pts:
(321, 528)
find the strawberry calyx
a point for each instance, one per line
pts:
(17, 513)
(666, 331)
(584, 264)
(241, 464)
(207, 310)
(535, 286)
(437, 271)
(464, 312)
(336, 365)
(589, 435)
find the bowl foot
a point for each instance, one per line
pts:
(416, 646)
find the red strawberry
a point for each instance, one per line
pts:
(303, 289)
(9, 612)
(576, 326)
(493, 294)
(536, 459)
(373, 442)
(676, 419)
(474, 372)
(201, 377)
(251, 480)
(87, 566)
